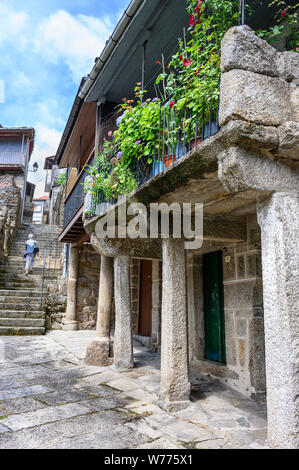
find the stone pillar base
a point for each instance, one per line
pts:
(172, 406)
(123, 365)
(70, 326)
(98, 352)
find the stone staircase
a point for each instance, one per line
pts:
(20, 296)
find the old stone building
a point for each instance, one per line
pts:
(230, 307)
(16, 193)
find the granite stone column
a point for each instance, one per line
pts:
(123, 338)
(175, 385)
(70, 322)
(279, 221)
(98, 350)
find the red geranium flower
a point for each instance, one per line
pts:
(283, 14)
(180, 57)
(192, 20)
(186, 62)
(171, 104)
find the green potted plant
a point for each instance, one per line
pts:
(193, 75)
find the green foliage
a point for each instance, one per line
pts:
(194, 71)
(287, 20)
(136, 133)
(61, 180)
(108, 176)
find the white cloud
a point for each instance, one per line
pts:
(76, 40)
(21, 81)
(2, 92)
(12, 24)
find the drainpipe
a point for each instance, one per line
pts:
(110, 45)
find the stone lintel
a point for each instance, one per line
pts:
(138, 248)
(242, 170)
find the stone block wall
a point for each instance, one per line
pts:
(10, 205)
(88, 287)
(54, 303)
(260, 86)
(243, 308)
(57, 211)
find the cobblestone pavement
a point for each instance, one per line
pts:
(50, 399)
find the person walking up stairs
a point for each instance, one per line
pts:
(20, 295)
(31, 252)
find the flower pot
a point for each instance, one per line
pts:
(169, 160)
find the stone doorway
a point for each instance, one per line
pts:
(214, 307)
(145, 302)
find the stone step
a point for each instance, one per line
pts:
(40, 241)
(36, 314)
(23, 293)
(19, 258)
(21, 331)
(11, 270)
(19, 250)
(12, 305)
(22, 322)
(19, 285)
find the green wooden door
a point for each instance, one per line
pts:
(214, 307)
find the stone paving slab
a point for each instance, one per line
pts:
(92, 422)
(50, 399)
(162, 443)
(23, 392)
(20, 405)
(116, 437)
(100, 404)
(61, 397)
(97, 391)
(4, 429)
(47, 415)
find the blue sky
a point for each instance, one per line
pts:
(45, 49)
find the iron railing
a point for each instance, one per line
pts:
(51, 263)
(75, 199)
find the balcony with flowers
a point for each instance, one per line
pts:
(151, 133)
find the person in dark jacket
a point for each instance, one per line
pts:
(31, 251)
